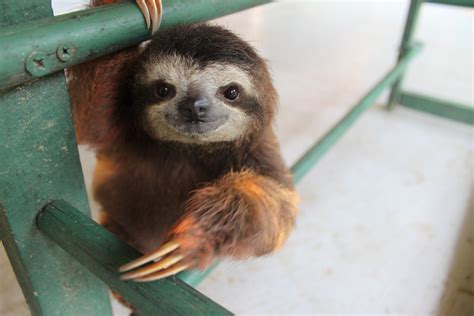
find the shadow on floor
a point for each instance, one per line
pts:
(458, 296)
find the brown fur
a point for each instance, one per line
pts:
(232, 199)
(93, 87)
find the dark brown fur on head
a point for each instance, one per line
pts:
(123, 100)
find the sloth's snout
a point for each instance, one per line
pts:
(194, 110)
(197, 116)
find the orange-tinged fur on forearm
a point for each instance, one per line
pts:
(241, 215)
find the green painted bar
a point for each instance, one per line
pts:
(92, 33)
(407, 40)
(39, 161)
(194, 277)
(450, 110)
(461, 3)
(305, 163)
(103, 253)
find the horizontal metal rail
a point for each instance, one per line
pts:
(305, 163)
(461, 3)
(447, 109)
(103, 253)
(41, 47)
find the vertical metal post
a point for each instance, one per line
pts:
(407, 41)
(39, 161)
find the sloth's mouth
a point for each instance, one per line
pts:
(197, 127)
(197, 121)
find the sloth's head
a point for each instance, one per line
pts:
(200, 84)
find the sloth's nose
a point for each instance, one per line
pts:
(194, 110)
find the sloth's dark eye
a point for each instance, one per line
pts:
(164, 90)
(231, 93)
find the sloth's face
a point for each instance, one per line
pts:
(181, 101)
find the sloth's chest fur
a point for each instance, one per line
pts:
(146, 197)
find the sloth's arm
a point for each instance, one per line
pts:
(94, 89)
(94, 86)
(244, 214)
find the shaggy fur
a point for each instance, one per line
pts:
(218, 199)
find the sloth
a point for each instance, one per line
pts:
(188, 168)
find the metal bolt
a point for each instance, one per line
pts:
(37, 64)
(65, 51)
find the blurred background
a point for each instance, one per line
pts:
(386, 223)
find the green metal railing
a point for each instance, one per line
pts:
(39, 160)
(447, 109)
(407, 39)
(312, 156)
(461, 3)
(443, 108)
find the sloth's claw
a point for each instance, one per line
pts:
(151, 10)
(156, 254)
(146, 13)
(188, 246)
(174, 269)
(148, 271)
(164, 265)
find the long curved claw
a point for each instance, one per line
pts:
(158, 253)
(152, 268)
(146, 13)
(152, 11)
(163, 267)
(156, 11)
(163, 273)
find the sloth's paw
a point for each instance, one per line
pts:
(188, 246)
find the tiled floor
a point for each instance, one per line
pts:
(386, 224)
